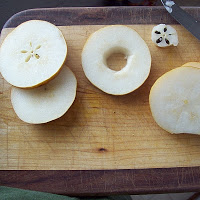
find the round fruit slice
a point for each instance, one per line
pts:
(116, 39)
(32, 53)
(47, 102)
(175, 100)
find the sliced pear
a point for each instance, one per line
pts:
(47, 102)
(116, 39)
(32, 54)
(175, 100)
(192, 64)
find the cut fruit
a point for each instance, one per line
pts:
(32, 54)
(175, 100)
(164, 35)
(47, 102)
(116, 39)
(192, 64)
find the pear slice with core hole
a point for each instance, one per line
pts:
(175, 100)
(116, 39)
(32, 54)
(47, 102)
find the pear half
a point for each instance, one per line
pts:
(32, 54)
(116, 39)
(175, 100)
(47, 102)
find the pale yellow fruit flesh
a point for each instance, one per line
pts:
(32, 54)
(192, 64)
(175, 100)
(47, 102)
(116, 39)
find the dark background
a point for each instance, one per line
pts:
(10, 7)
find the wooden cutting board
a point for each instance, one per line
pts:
(100, 131)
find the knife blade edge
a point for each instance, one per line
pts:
(190, 23)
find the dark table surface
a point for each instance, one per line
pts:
(10, 7)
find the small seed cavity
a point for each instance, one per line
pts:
(157, 32)
(159, 40)
(185, 101)
(28, 58)
(38, 47)
(167, 41)
(24, 51)
(37, 56)
(31, 52)
(165, 29)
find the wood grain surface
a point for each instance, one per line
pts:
(99, 16)
(102, 131)
(105, 182)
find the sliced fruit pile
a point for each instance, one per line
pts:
(32, 55)
(47, 102)
(32, 59)
(175, 100)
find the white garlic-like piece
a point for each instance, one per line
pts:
(164, 35)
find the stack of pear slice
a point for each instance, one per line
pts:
(32, 59)
(175, 99)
